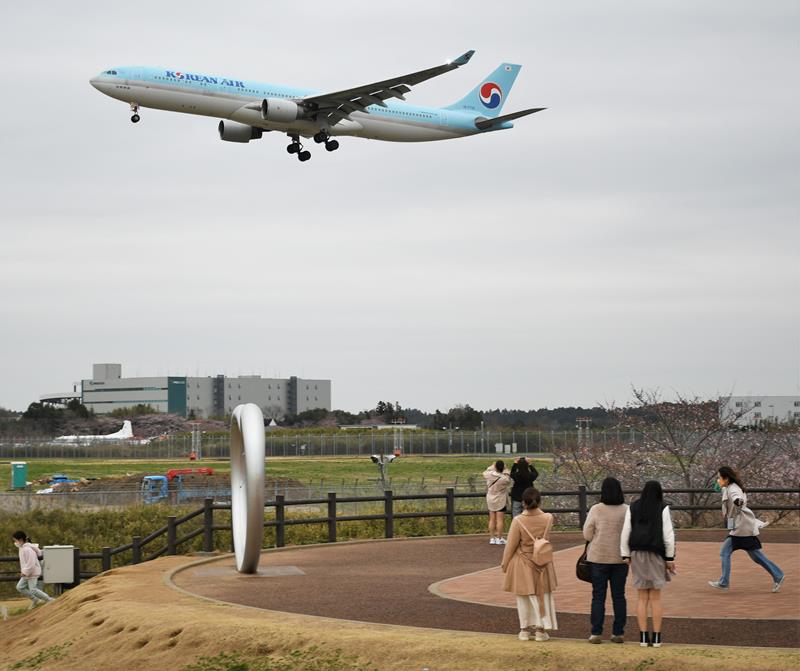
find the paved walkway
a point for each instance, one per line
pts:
(388, 582)
(686, 595)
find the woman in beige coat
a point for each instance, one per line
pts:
(533, 585)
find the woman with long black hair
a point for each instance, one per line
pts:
(744, 531)
(647, 545)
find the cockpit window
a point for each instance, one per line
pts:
(110, 72)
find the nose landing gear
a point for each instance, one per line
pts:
(135, 109)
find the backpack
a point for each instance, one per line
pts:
(542, 548)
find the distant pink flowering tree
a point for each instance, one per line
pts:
(682, 443)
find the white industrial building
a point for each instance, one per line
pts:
(756, 410)
(209, 396)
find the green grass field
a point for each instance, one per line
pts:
(302, 469)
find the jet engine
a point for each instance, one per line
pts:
(279, 111)
(230, 131)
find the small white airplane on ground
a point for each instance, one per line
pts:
(250, 108)
(125, 433)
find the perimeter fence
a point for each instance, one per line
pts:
(203, 529)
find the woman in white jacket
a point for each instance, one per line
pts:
(647, 545)
(30, 568)
(744, 531)
(498, 482)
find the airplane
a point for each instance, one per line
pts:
(125, 433)
(248, 108)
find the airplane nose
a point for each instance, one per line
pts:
(95, 81)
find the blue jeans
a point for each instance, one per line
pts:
(516, 508)
(757, 556)
(602, 574)
(28, 587)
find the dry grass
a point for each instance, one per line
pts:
(131, 615)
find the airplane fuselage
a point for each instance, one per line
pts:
(239, 100)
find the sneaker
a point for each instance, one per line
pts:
(656, 639)
(716, 584)
(595, 638)
(777, 586)
(542, 635)
(618, 639)
(493, 541)
(644, 638)
(502, 541)
(524, 635)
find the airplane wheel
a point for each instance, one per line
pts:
(135, 118)
(320, 137)
(332, 145)
(304, 155)
(293, 148)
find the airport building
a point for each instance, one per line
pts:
(209, 396)
(755, 410)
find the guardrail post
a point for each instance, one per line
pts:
(280, 521)
(450, 498)
(331, 517)
(136, 542)
(106, 559)
(388, 512)
(208, 525)
(172, 535)
(76, 563)
(582, 505)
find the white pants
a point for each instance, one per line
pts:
(532, 615)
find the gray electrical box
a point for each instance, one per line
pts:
(59, 564)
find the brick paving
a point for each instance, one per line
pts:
(687, 595)
(388, 582)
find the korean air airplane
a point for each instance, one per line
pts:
(249, 108)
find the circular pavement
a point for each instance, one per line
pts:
(403, 581)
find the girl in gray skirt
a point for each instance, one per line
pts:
(647, 545)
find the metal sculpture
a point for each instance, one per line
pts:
(247, 485)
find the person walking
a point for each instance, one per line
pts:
(603, 530)
(30, 569)
(744, 531)
(533, 584)
(647, 544)
(498, 483)
(523, 473)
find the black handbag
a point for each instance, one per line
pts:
(583, 568)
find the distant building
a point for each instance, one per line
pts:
(107, 390)
(755, 410)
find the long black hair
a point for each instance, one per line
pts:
(521, 466)
(731, 475)
(651, 502)
(611, 492)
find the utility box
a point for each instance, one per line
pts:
(59, 564)
(19, 474)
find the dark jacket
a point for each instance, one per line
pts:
(522, 480)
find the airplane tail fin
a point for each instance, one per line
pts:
(487, 98)
(126, 431)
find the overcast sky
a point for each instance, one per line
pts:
(643, 230)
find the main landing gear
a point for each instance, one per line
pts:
(330, 145)
(296, 148)
(135, 109)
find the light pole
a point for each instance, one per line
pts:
(382, 463)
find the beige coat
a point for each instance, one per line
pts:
(745, 523)
(522, 576)
(497, 487)
(603, 528)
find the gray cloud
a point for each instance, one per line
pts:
(641, 230)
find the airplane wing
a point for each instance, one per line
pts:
(338, 105)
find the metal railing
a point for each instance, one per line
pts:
(172, 541)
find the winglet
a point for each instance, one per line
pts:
(463, 59)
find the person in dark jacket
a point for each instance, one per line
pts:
(523, 473)
(647, 545)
